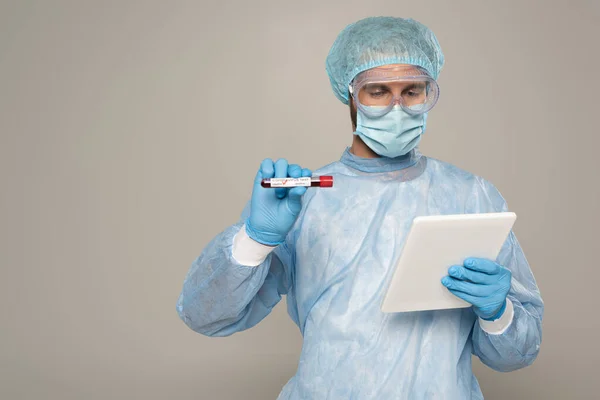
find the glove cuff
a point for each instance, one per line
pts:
(500, 325)
(247, 251)
(498, 314)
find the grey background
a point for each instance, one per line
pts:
(130, 134)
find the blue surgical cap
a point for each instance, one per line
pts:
(376, 41)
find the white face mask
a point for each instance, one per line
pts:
(393, 134)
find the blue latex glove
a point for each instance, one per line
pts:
(482, 283)
(274, 211)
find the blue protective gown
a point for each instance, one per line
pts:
(334, 268)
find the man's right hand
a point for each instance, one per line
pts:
(273, 212)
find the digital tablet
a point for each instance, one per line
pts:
(433, 245)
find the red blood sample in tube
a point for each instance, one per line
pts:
(324, 181)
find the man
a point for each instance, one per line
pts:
(331, 250)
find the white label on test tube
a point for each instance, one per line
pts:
(289, 182)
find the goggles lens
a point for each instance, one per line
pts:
(377, 91)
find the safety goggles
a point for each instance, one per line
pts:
(378, 90)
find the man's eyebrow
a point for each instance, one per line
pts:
(385, 86)
(376, 86)
(419, 85)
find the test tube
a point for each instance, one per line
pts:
(324, 181)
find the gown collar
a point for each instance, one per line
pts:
(380, 164)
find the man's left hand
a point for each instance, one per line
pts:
(482, 283)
